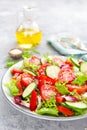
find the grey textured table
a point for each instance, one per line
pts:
(54, 16)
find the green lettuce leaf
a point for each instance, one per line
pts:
(12, 87)
(49, 103)
(62, 88)
(80, 80)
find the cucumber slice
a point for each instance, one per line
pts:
(29, 89)
(78, 73)
(43, 60)
(75, 62)
(29, 71)
(83, 67)
(52, 71)
(84, 96)
(76, 105)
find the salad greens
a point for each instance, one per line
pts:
(12, 87)
(62, 88)
(57, 92)
(48, 107)
(47, 111)
(49, 103)
(80, 80)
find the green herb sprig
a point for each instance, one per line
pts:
(10, 62)
(29, 53)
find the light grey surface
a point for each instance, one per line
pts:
(54, 16)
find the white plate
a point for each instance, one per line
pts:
(9, 98)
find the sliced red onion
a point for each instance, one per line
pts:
(39, 102)
(64, 66)
(70, 98)
(17, 100)
(80, 62)
(25, 104)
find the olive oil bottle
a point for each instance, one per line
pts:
(28, 34)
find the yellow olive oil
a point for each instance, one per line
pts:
(28, 37)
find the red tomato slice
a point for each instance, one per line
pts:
(15, 76)
(26, 79)
(43, 79)
(67, 65)
(66, 75)
(79, 89)
(42, 69)
(33, 100)
(47, 91)
(34, 60)
(14, 71)
(58, 60)
(60, 99)
(65, 111)
(19, 86)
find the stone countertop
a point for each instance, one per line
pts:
(54, 17)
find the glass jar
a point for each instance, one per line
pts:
(28, 34)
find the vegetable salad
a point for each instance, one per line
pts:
(52, 86)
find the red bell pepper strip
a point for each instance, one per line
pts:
(33, 100)
(65, 111)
